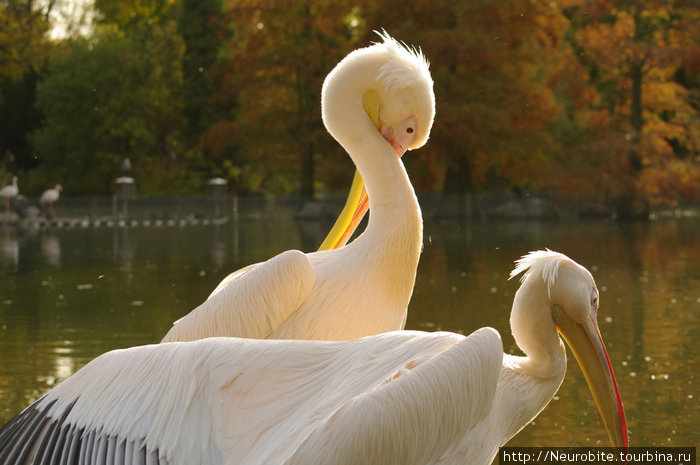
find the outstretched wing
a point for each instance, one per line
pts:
(252, 302)
(401, 397)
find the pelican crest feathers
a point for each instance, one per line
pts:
(545, 262)
(407, 67)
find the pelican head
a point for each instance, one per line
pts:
(559, 296)
(392, 82)
(378, 99)
(405, 86)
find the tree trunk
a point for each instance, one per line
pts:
(633, 205)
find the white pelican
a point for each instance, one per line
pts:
(49, 197)
(403, 397)
(378, 102)
(9, 191)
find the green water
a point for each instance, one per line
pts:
(67, 296)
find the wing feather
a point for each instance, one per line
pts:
(17, 436)
(417, 415)
(252, 302)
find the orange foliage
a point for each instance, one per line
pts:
(580, 96)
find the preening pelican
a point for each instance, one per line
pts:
(49, 197)
(378, 102)
(9, 191)
(403, 397)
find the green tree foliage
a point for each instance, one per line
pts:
(198, 25)
(109, 97)
(23, 53)
(23, 46)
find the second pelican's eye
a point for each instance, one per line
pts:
(594, 299)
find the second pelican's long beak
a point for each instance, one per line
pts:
(587, 346)
(357, 203)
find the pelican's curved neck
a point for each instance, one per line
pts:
(394, 235)
(384, 175)
(534, 331)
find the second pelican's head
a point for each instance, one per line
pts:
(560, 296)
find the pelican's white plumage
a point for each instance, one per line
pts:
(377, 103)
(49, 197)
(9, 191)
(380, 399)
(403, 397)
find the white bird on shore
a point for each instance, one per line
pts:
(49, 197)
(377, 103)
(9, 191)
(404, 397)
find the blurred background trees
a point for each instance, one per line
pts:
(598, 99)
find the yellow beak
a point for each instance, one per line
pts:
(355, 208)
(357, 202)
(587, 346)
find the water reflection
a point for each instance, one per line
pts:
(10, 250)
(69, 295)
(50, 248)
(123, 248)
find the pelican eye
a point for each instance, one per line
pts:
(409, 130)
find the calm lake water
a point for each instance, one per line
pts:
(68, 295)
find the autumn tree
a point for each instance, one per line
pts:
(646, 127)
(275, 65)
(493, 108)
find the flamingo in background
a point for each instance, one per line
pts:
(377, 103)
(9, 191)
(405, 397)
(49, 197)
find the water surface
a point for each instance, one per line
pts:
(68, 295)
